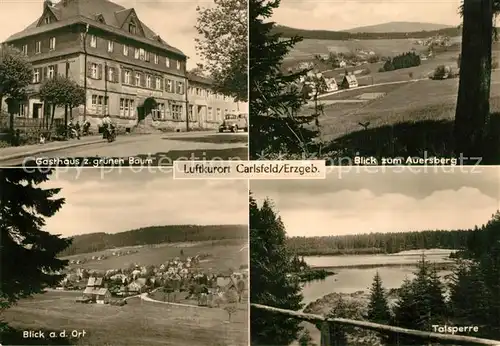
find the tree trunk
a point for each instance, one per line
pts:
(52, 120)
(473, 108)
(66, 121)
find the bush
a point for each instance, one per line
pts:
(373, 59)
(440, 72)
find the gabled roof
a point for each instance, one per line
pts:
(69, 12)
(199, 79)
(102, 291)
(350, 78)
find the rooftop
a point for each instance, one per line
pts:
(102, 14)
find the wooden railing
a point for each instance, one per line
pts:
(329, 325)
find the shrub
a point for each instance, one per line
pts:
(440, 72)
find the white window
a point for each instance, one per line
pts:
(110, 46)
(191, 112)
(125, 50)
(52, 43)
(148, 81)
(178, 64)
(99, 103)
(137, 79)
(122, 107)
(25, 49)
(22, 110)
(147, 56)
(93, 41)
(219, 114)
(126, 110)
(127, 77)
(180, 88)
(167, 62)
(94, 71)
(156, 59)
(36, 76)
(132, 28)
(142, 54)
(111, 74)
(94, 100)
(158, 83)
(47, 20)
(169, 86)
(210, 113)
(132, 109)
(136, 53)
(177, 112)
(50, 72)
(38, 47)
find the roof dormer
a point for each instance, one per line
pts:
(48, 15)
(129, 22)
(100, 18)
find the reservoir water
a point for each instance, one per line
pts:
(352, 277)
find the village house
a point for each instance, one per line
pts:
(95, 292)
(349, 81)
(119, 61)
(103, 296)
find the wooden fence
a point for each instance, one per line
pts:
(329, 324)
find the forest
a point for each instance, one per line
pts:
(375, 243)
(93, 242)
(288, 32)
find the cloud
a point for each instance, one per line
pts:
(121, 201)
(383, 202)
(173, 20)
(344, 15)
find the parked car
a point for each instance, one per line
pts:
(234, 123)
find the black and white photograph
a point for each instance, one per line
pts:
(159, 80)
(402, 258)
(122, 258)
(376, 80)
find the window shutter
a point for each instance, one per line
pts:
(55, 70)
(123, 75)
(44, 74)
(132, 77)
(99, 71)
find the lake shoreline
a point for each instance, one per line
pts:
(439, 265)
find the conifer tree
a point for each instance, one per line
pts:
(27, 252)
(421, 302)
(469, 295)
(274, 96)
(272, 281)
(378, 307)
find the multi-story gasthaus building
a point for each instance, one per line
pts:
(120, 62)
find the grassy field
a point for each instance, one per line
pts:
(223, 255)
(384, 47)
(137, 323)
(406, 102)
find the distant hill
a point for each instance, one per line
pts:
(400, 27)
(344, 35)
(93, 242)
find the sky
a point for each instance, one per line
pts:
(390, 201)
(100, 201)
(173, 20)
(340, 15)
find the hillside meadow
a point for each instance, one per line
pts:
(136, 323)
(405, 102)
(222, 255)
